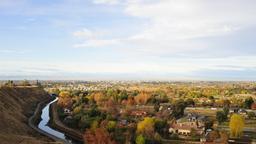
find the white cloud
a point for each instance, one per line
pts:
(92, 38)
(174, 25)
(179, 66)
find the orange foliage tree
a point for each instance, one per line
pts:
(142, 97)
(99, 136)
(65, 100)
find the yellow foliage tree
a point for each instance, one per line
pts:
(146, 126)
(236, 125)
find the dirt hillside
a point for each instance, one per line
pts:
(16, 106)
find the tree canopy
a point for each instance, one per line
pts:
(236, 125)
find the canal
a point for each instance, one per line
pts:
(44, 125)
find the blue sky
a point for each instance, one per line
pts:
(128, 39)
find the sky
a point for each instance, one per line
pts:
(128, 39)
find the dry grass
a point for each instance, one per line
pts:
(16, 106)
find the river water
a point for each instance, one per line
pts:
(43, 125)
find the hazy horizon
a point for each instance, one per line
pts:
(128, 40)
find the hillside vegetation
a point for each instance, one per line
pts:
(16, 106)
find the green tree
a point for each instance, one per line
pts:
(220, 116)
(190, 102)
(111, 126)
(140, 139)
(251, 115)
(160, 126)
(226, 111)
(178, 108)
(248, 102)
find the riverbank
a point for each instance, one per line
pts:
(57, 124)
(36, 118)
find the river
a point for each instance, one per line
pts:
(44, 125)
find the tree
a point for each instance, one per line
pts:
(160, 126)
(190, 102)
(213, 135)
(98, 97)
(146, 126)
(99, 136)
(142, 98)
(248, 102)
(251, 115)
(224, 137)
(208, 124)
(9, 83)
(65, 101)
(220, 116)
(226, 110)
(236, 125)
(130, 101)
(111, 126)
(140, 139)
(178, 108)
(123, 95)
(226, 103)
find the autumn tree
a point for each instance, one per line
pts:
(98, 97)
(142, 98)
(146, 126)
(111, 126)
(98, 136)
(236, 125)
(224, 137)
(131, 101)
(140, 139)
(65, 100)
(213, 135)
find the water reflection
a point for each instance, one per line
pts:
(43, 125)
(45, 119)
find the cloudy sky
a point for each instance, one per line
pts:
(128, 39)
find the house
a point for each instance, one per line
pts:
(187, 124)
(242, 112)
(67, 111)
(164, 106)
(233, 110)
(138, 113)
(253, 106)
(123, 122)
